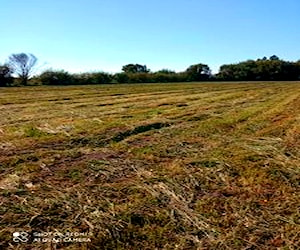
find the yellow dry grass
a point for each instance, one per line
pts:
(152, 166)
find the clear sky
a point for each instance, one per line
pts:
(104, 35)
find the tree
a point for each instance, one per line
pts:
(93, 78)
(198, 72)
(274, 58)
(22, 64)
(121, 78)
(61, 77)
(165, 71)
(272, 69)
(135, 68)
(5, 75)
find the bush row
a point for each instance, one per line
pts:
(265, 69)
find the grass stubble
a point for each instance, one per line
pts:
(153, 166)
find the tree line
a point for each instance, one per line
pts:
(19, 71)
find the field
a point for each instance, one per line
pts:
(152, 166)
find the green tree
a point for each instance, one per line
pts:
(164, 75)
(5, 75)
(274, 58)
(272, 69)
(22, 64)
(61, 77)
(121, 78)
(135, 68)
(93, 78)
(198, 72)
(165, 71)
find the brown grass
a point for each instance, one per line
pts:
(153, 166)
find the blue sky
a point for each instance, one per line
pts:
(104, 35)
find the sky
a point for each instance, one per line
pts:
(104, 35)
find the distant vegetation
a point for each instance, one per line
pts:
(18, 71)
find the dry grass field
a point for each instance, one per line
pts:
(152, 166)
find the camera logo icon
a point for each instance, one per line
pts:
(20, 237)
